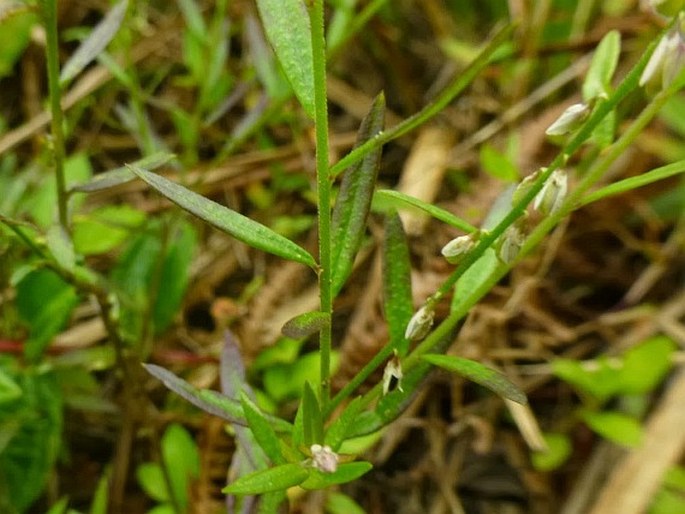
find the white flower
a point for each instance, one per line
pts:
(553, 193)
(420, 324)
(392, 373)
(668, 59)
(324, 458)
(510, 244)
(569, 120)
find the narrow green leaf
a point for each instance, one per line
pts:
(480, 374)
(122, 175)
(262, 430)
(241, 227)
(397, 295)
(268, 480)
(9, 390)
(151, 479)
(402, 201)
(598, 79)
(631, 183)
(287, 27)
(339, 503)
(306, 324)
(598, 378)
(346, 472)
(181, 459)
(208, 400)
(615, 426)
(354, 199)
(646, 365)
(337, 432)
(312, 420)
(95, 43)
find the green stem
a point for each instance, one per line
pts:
(448, 94)
(49, 10)
(323, 182)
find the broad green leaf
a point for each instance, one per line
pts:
(9, 390)
(151, 479)
(241, 227)
(15, 33)
(558, 450)
(353, 203)
(339, 503)
(28, 459)
(615, 426)
(181, 460)
(306, 324)
(262, 430)
(122, 175)
(475, 277)
(480, 374)
(105, 228)
(598, 378)
(346, 472)
(497, 164)
(402, 201)
(285, 381)
(602, 67)
(45, 303)
(312, 419)
(61, 247)
(671, 496)
(174, 274)
(646, 365)
(268, 480)
(397, 295)
(287, 27)
(338, 430)
(95, 43)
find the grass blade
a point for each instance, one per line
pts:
(480, 374)
(397, 296)
(354, 199)
(287, 27)
(402, 201)
(241, 227)
(95, 43)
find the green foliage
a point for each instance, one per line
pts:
(671, 497)
(168, 482)
(15, 33)
(558, 450)
(497, 164)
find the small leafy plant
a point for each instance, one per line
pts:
(138, 299)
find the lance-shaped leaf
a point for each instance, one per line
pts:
(262, 430)
(306, 324)
(346, 472)
(399, 200)
(312, 420)
(268, 480)
(480, 374)
(95, 43)
(354, 199)
(397, 296)
(598, 79)
(241, 227)
(122, 175)
(287, 27)
(337, 432)
(210, 401)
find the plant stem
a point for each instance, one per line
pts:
(323, 183)
(49, 10)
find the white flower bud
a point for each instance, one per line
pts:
(569, 120)
(323, 458)
(668, 59)
(457, 248)
(553, 193)
(420, 324)
(524, 186)
(510, 244)
(392, 375)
